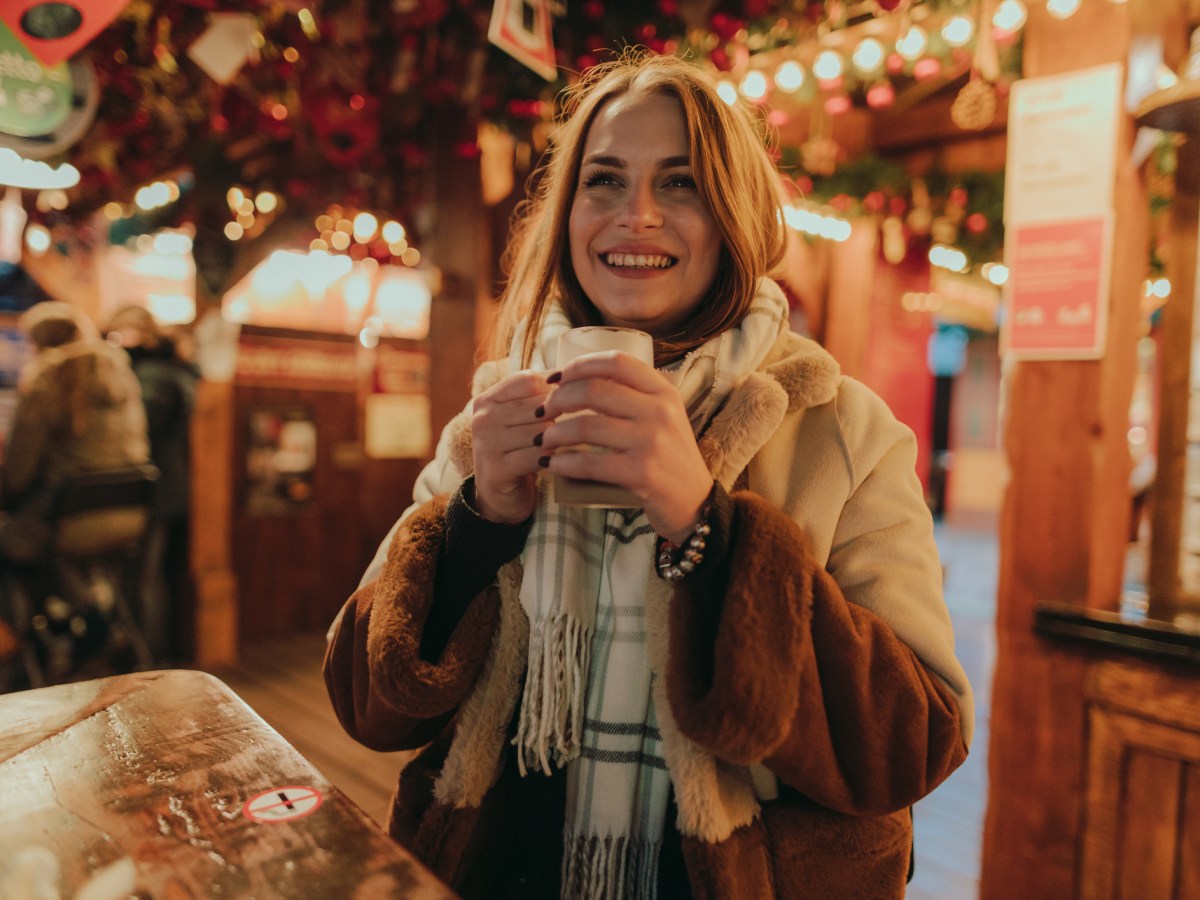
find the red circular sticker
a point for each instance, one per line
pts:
(282, 804)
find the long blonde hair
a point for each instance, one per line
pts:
(734, 174)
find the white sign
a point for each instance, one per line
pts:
(1062, 145)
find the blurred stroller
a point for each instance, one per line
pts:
(72, 607)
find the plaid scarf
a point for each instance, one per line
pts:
(588, 696)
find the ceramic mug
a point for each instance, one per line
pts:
(572, 344)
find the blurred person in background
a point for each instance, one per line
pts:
(168, 383)
(78, 410)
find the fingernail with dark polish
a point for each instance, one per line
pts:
(539, 412)
(544, 462)
(537, 439)
(554, 378)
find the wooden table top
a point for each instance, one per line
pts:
(166, 784)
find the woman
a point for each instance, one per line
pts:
(754, 727)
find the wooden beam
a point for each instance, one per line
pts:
(930, 124)
(1062, 527)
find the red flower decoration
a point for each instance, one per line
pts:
(977, 223)
(344, 135)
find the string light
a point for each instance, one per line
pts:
(868, 55)
(754, 85)
(392, 231)
(789, 76)
(1062, 9)
(818, 224)
(958, 31)
(996, 273)
(913, 43)
(948, 258)
(828, 67)
(1010, 16)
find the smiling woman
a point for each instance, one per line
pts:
(736, 686)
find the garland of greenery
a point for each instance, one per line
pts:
(962, 209)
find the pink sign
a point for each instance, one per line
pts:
(1058, 288)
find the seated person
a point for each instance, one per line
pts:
(79, 409)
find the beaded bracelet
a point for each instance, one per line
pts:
(674, 563)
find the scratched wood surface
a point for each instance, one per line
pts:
(136, 785)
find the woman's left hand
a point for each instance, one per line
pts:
(641, 422)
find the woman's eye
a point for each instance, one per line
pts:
(681, 181)
(599, 179)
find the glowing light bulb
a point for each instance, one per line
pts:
(958, 30)
(393, 231)
(754, 85)
(1062, 9)
(913, 43)
(828, 65)
(789, 76)
(868, 55)
(1010, 16)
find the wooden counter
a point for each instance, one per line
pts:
(166, 784)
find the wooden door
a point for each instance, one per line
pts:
(297, 540)
(1142, 798)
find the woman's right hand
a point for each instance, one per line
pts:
(504, 423)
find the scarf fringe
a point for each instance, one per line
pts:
(552, 704)
(609, 868)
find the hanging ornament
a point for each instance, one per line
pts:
(346, 129)
(943, 230)
(975, 106)
(820, 155)
(895, 245)
(920, 217)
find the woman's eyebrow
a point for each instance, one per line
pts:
(604, 159)
(616, 162)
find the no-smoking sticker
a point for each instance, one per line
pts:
(282, 804)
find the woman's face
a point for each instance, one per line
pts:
(644, 245)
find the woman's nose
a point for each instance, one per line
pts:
(641, 208)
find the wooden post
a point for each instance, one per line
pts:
(1175, 367)
(216, 614)
(1063, 524)
(458, 244)
(847, 323)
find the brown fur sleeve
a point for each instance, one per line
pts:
(796, 677)
(385, 695)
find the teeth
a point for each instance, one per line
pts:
(638, 261)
